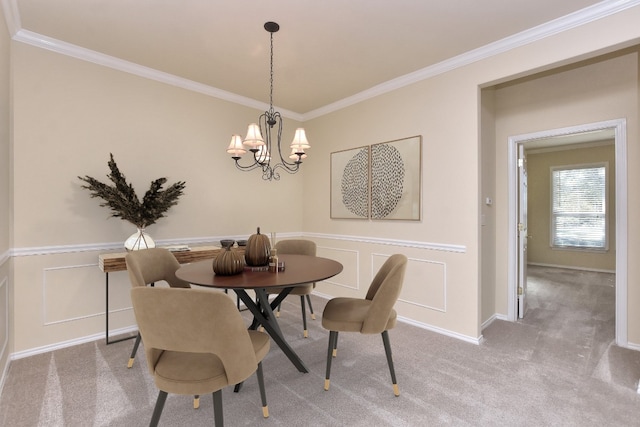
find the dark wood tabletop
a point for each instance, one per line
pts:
(298, 269)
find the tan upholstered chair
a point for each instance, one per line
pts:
(372, 315)
(196, 342)
(148, 266)
(299, 247)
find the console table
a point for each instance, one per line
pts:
(112, 262)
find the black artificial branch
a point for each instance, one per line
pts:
(121, 197)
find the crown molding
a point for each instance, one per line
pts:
(74, 51)
(567, 22)
(575, 19)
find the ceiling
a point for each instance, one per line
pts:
(327, 53)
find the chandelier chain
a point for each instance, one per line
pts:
(271, 78)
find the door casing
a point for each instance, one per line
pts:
(620, 129)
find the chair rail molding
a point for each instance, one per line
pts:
(112, 246)
(445, 247)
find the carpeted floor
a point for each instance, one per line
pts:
(556, 367)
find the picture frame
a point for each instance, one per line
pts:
(350, 183)
(395, 179)
(380, 181)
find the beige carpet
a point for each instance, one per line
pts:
(557, 367)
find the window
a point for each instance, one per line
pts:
(579, 202)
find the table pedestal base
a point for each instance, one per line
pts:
(263, 315)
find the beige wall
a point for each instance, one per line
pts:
(539, 166)
(69, 114)
(441, 286)
(487, 214)
(604, 88)
(5, 196)
(448, 112)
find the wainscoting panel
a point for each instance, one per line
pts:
(69, 293)
(425, 283)
(61, 297)
(350, 259)
(431, 290)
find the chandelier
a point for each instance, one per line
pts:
(263, 149)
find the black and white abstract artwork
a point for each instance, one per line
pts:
(380, 181)
(350, 183)
(395, 179)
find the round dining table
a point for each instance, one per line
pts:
(298, 270)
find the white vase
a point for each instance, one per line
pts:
(139, 240)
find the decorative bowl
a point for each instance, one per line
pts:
(227, 243)
(241, 242)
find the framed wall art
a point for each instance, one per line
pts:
(350, 183)
(395, 179)
(379, 182)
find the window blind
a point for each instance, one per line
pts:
(579, 207)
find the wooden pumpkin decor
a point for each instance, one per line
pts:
(228, 262)
(257, 251)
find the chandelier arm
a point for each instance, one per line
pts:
(246, 168)
(265, 128)
(288, 170)
(291, 167)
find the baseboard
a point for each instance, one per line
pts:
(633, 346)
(441, 331)
(70, 343)
(422, 325)
(489, 321)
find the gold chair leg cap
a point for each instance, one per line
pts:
(326, 384)
(130, 364)
(265, 411)
(277, 314)
(335, 352)
(196, 402)
(306, 333)
(313, 316)
(396, 390)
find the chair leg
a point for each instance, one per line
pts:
(157, 411)
(304, 317)
(333, 339)
(387, 350)
(217, 408)
(263, 393)
(278, 312)
(335, 346)
(133, 352)
(313, 315)
(196, 401)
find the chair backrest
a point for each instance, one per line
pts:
(383, 293)
(296, 247)
(194, 321)
(153, 265)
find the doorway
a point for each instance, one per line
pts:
(516, 287)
